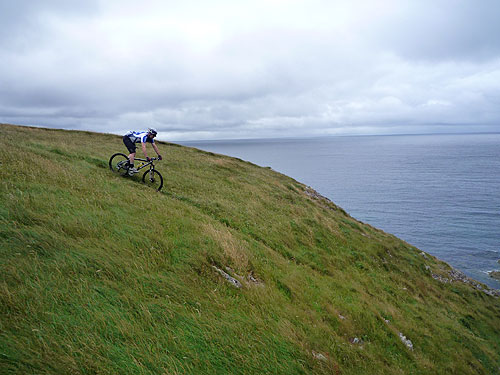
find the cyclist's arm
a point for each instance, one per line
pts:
(143, 144)
(156, 149)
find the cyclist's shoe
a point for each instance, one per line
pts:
(132, 171)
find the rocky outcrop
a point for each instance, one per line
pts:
(458, 276)
(406, 341)
(238, 281)
(229, 278)
(495, 274)
(323, 201)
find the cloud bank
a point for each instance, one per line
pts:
(252, 69)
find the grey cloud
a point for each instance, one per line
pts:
(424, 64)
(24, 21)
(443, 30)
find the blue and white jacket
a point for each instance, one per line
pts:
(138, 137)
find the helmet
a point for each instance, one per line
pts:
(152, 131)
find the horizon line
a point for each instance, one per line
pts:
(333, 136)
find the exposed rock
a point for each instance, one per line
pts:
(494, 274)
(424, 255)
(406, 341)
(440, 278)
(460, 276)
(237, 280)
(356, 340)
(341, 317)
(319, 356)
(456, 275)
(229, 278)
(324, 201)
(314, 194)
(252, 280)
(230, 271)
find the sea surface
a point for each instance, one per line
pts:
(440, 193)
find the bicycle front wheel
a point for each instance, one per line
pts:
(153, 179)
(118, 163)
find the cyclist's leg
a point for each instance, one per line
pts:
(131, 148)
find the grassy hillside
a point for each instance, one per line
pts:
(102, 275)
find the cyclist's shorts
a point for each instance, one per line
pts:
(129, 144)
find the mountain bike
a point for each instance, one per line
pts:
(119, 163)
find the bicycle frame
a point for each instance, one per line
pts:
(146, 163)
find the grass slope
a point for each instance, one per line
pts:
(101, 275)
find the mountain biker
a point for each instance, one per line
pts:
(133, 137)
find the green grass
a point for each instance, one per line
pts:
(102, 275)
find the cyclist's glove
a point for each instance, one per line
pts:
(159, 157)
(148, 158)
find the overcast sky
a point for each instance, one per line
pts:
(251, 69)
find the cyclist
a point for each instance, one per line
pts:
(133, 137)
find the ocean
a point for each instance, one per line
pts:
(440, 193)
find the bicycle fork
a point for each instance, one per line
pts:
(151, 174)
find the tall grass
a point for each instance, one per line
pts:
(100, 274)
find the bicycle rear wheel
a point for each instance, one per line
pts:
(153, 178)
(119, 163)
